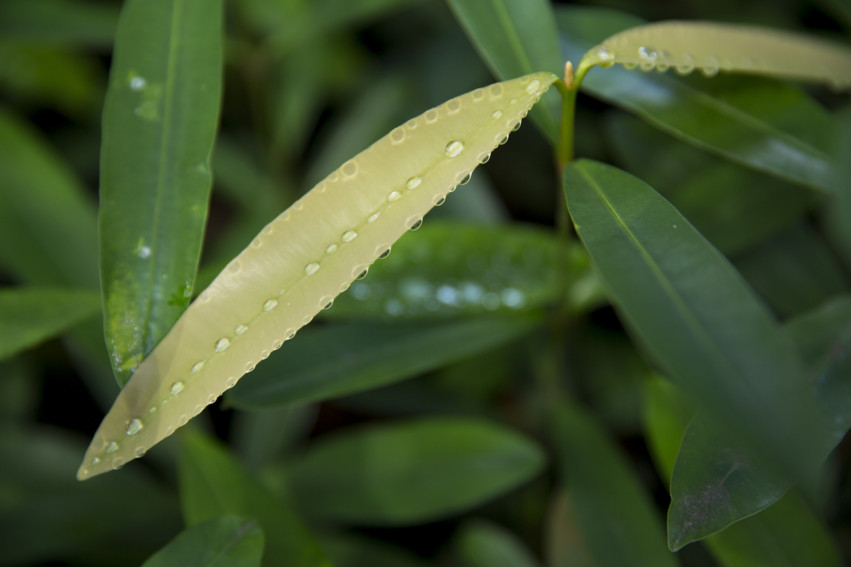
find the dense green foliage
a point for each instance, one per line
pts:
(564, 353)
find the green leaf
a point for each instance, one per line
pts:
(617, 523)
(786, 533)
(367, 475)
(448, 270)
(159, 123)
(44, 211)
(483, 544)
(760, 124)
(710, 47)
(354, 551)
(226, 541)
(343, 359)
(31, 315)
(695, 315)
(839, 208)
(515, 37)
(213, 484)
(67, 22)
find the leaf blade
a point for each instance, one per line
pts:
(226, 541)
(159, 123)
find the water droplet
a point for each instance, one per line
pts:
(96, 461)
(290, 334)
(256, 243)
(606, 57)
(350, 235)
(512, 101)
(495, 91)
(710, 68)
(240, 329)
(197, 367)
(117, 463)
(478, 95)
(382, 253)
(152, 409)
(453, 106)
(176, 388)
(414, 223)
(264, 354)
(350, 168)
(326, 303)
(361, 272)
(648, 57)
(503, 140)
(143, 252)
(222, 344)
(183, 420)
(134, 427)
(484, 158)
(686, 65)
(413, 182)
(249, 366)
(465, 179)
(534, 87)
(629, 65)
(138, 83)
(516, 125)
(454, 148)
(311, 269)
(84, 472)
(662, 67)
(496, 114)
(394, 196)
(439, 200)
(373, 217)
(231, 382)
(397, 136)
(234, 266)
(270, 304)
(139, 452)
(331, 249)
(431, 116)
(112, 447)
(277, 344)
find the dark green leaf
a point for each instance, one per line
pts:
(758, 123)
(612, 512)
(515, 37)
(59, 21)
(695, 315)
(787, 533)
(412, 472)
(213, 484)
(354, 551)
(332, 361)
(447, 270)
(839, 208)
(159, 123)
(31, 315)
(44, 212)
(226, 541)
(482, 544)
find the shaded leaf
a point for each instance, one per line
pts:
(694, 314)
(333, 361)
(159, 123)
(483, 544)
(515, 37)
(213, 484)
(59, 21)
(839, 208)
(357, 551)
(366, 475)
(226, 541)
(44, 211)
(759, 124)
(31, 315)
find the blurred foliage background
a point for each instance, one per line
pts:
(307, 85)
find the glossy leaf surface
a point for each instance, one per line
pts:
(345, 359)
(694, 314)
(365, 476)
(159, 122)
(765, 127)
(226, 541)
(31, 315)
(303, 259)
(212, 483)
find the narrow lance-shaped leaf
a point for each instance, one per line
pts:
(695, 315)
(713, 47)
(159, 123)
(226, 541)
(303, 259)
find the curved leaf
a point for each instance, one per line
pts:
(344, 359)
(213, 484)
(482, 544)
(713, 47)
(302, 260)
(159, 123)
(31, 315)
(515, 37)
(694, 314)
(227, 541)
(763, 125)
(412, 472)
